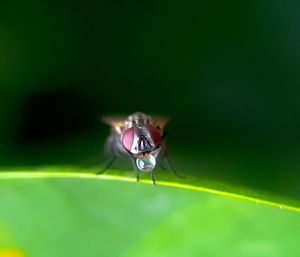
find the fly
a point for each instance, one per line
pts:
(142, 138)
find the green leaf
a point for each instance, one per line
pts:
(96, 217)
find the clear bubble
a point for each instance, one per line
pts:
(146, 163)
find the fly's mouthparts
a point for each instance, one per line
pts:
(143, 144)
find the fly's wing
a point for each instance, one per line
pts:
(114, 121)
(117, 124)
(160, 121)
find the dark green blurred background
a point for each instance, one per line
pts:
(226, 72)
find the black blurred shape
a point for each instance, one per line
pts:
(55, 115)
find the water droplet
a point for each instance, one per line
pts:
(146, 163)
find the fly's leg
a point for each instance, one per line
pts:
(152, 176)
(109, 150)
(170, 167)
(166, 145)
(109, 146)
(137, 176)
(108, 165)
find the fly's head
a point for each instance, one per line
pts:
(142, 142)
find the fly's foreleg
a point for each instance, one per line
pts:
(152, 176)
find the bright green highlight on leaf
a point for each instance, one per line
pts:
(181, 183)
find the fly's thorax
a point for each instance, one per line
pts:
(138, 118)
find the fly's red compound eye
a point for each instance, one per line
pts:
(127, 139)
(155, 134)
